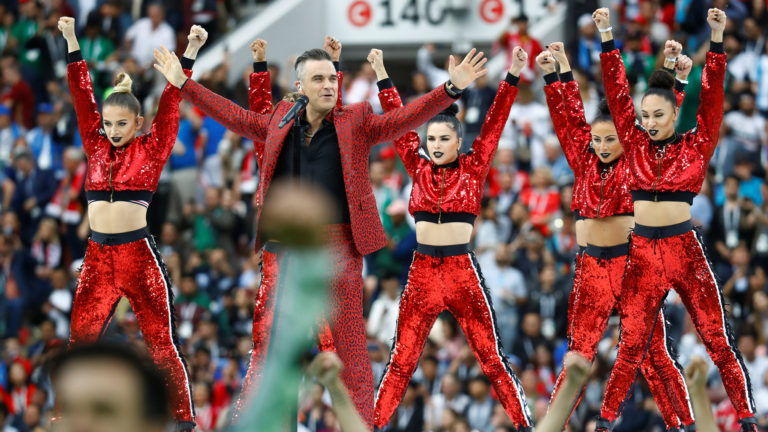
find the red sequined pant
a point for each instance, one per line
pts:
(659, 259)
(134, 270)
(592, 302)
(263, 315)
(452, 283)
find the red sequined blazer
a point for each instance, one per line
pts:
(358, 128)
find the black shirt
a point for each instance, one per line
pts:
(318, 163)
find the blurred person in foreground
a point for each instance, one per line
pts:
(340, 139)
(106, 387)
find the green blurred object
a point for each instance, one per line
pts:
(301, 296)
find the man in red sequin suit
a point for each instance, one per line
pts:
(329, 147)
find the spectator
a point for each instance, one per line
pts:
(10, 133)
(746, 128)
(68, 202)
(425, 64)
(313, 413)
(205, 414)
(410, 413)
(729, 226)
(517, 35)
(508, 293)
(5, 419)
(363, 88)
(449, 398)
(109, 15)
(490, 231)
(556, 161)
(755, 360)
(190, 304)
(18, 95)
(18, 396)
(33, 189)
(59, 303)
(543, 200)
(586, 52)
(383, 193)
(530, 336)
(759, 220)
(44, 140)
(527, 127)
(46, 248)
(737, 285)
(759, 78)
(551, 303)
(382, 320)
(477, 101)
(148, 34)
(480, 408)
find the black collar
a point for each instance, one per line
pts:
(454, 164)
(674, 139)
(607, 166)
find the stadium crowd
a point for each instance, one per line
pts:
(202, 214)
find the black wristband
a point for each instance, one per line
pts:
(385, 84)
(183, 84)
(337, 66)
(716, 47)
(608, 46)
(511, 79)
(567, 77)
(260, 67)
(451, 90)
(679, 85)
(74, 56)
(550, 78)
(187, 63)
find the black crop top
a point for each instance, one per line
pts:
(140, 197)
(424, 216)
(680, 196)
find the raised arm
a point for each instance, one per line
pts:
(81, 89)
(710, 112)
(580, 132)
(617, 91)
(675, 63)
(395, 123)
(554, 96)
(260, 88)
(241, 121)
(407, 146)
(485, 145)
(333, 47)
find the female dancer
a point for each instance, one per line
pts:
(122, 259)
(667, 170)
(444, 275)
(601, 196)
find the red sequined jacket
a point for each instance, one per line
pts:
(357, 129)
(457, 187)
(680, 165)
(599, 190)
(135, 166)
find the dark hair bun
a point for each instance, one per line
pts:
(661, 79)
(451, 110)
(602, 107)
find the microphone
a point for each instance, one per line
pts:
(294, 111)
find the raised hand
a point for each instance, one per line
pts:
(67, 27)
(546, 62)
(672, 49)
(466, 72)
(325, 368)
(333, 47)
(716, 19)
(197, 36)
(683, 67)
(519, 60)
(376, 59)
(259, 50)
(168, 64)
(602, 18)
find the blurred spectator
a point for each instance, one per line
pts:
(364, 88)
(561, 172)
(18, 95)
(382, 320)
(383, 193)
(44, 140)
(745, 128)
(759, 220)
(148, 34)
(110, 19)
(508, 293)
(425, 64)
(755, 360)
(480, 408)
(18, 396)
(517, 35)
(491, 231)
(542, 199)
(68, 203)
(550, 302)
(449, 398)
(477, 101)
(59, 304)
(313, 414)
(529, 337)
(729, 226)
(190, 304)
(409, 416)
(526, 128)
(5, 419)
(205, 414)
(33, 188)
(586, 53)
(759, 79)
(10, 133)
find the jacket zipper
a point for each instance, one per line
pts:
(660, 153)
(603, 176)
(112, 189)
(440, 210)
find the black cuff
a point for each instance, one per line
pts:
(567, 77)
(183, 84)
(187, 63)
(716, 47)
(671, 71)
(385, 84)
(337, 66)
(74, 56)
(608, 46)
(511, 79)
(679, 86)
(550, 78)
(260, 67)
